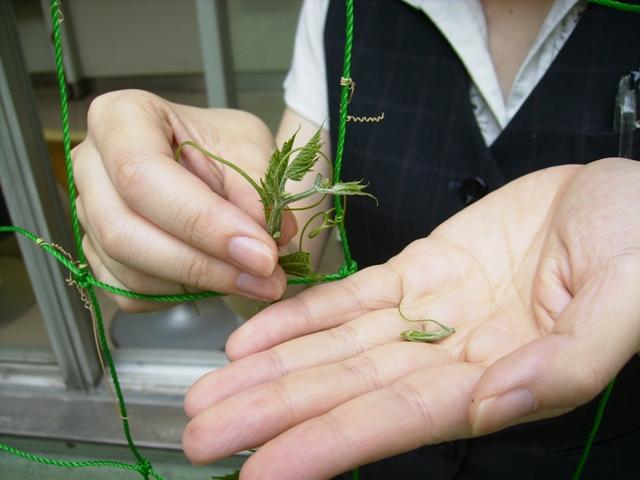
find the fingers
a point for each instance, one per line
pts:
(132, 280)
(318, 308)
(126, 242)
(265, 411)
(593, 338)
(134, 137)
(425, 407)
(332, 345)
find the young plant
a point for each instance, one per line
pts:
(423, 335)
(291, 164)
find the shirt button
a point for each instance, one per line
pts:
(472, 190)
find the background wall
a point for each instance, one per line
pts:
(154, 45)
(160, 37)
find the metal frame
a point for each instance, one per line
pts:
(34, 203)
(73, 69)
(153, 381)
(215, 44)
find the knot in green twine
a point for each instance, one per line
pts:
(348, 268)
(81, 275)
(144, 467)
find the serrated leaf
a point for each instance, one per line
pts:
(277, 166)
(345, 188)
(229, 476)
(305, 160)
(288, 145)
(275, 173)
(266, 196)
(262, 193)
(298, 264)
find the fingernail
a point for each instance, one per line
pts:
(259, 288)
(253, 255)
(499, 411)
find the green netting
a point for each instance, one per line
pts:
(627, 7)
(81, 276)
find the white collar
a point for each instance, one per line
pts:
(465, 28)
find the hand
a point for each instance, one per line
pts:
(540, 280)
(155, 226)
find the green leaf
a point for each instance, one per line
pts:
(345, 188)
(272, 186)
(426, 336)
(229, 476)
(275, 173)
(277, 167)
(305, 160)
(266, 197)
(288, 145)
(298, 264)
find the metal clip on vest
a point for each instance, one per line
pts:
(626, 112)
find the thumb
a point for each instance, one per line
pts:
(235, 188)
(239, 138)
(593, 338)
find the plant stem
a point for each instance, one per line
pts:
(306, 225)
(274, 219)
(299, 196)
(215, 157)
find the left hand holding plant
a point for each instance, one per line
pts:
(290, 164)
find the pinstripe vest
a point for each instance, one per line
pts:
(428, 157)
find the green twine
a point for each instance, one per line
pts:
(104, 346)
(345, 96)
(142, 468)
(594, 430)
(627, 7)
(84, 279)
(56, 17)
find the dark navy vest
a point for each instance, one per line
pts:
(427, 160)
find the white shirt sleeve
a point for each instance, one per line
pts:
(305, 87)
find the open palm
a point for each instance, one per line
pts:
(540, 281)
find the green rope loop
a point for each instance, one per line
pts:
(66, 463)
(627, 7)
(348, 268)
(144, 467)
(82, 276)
